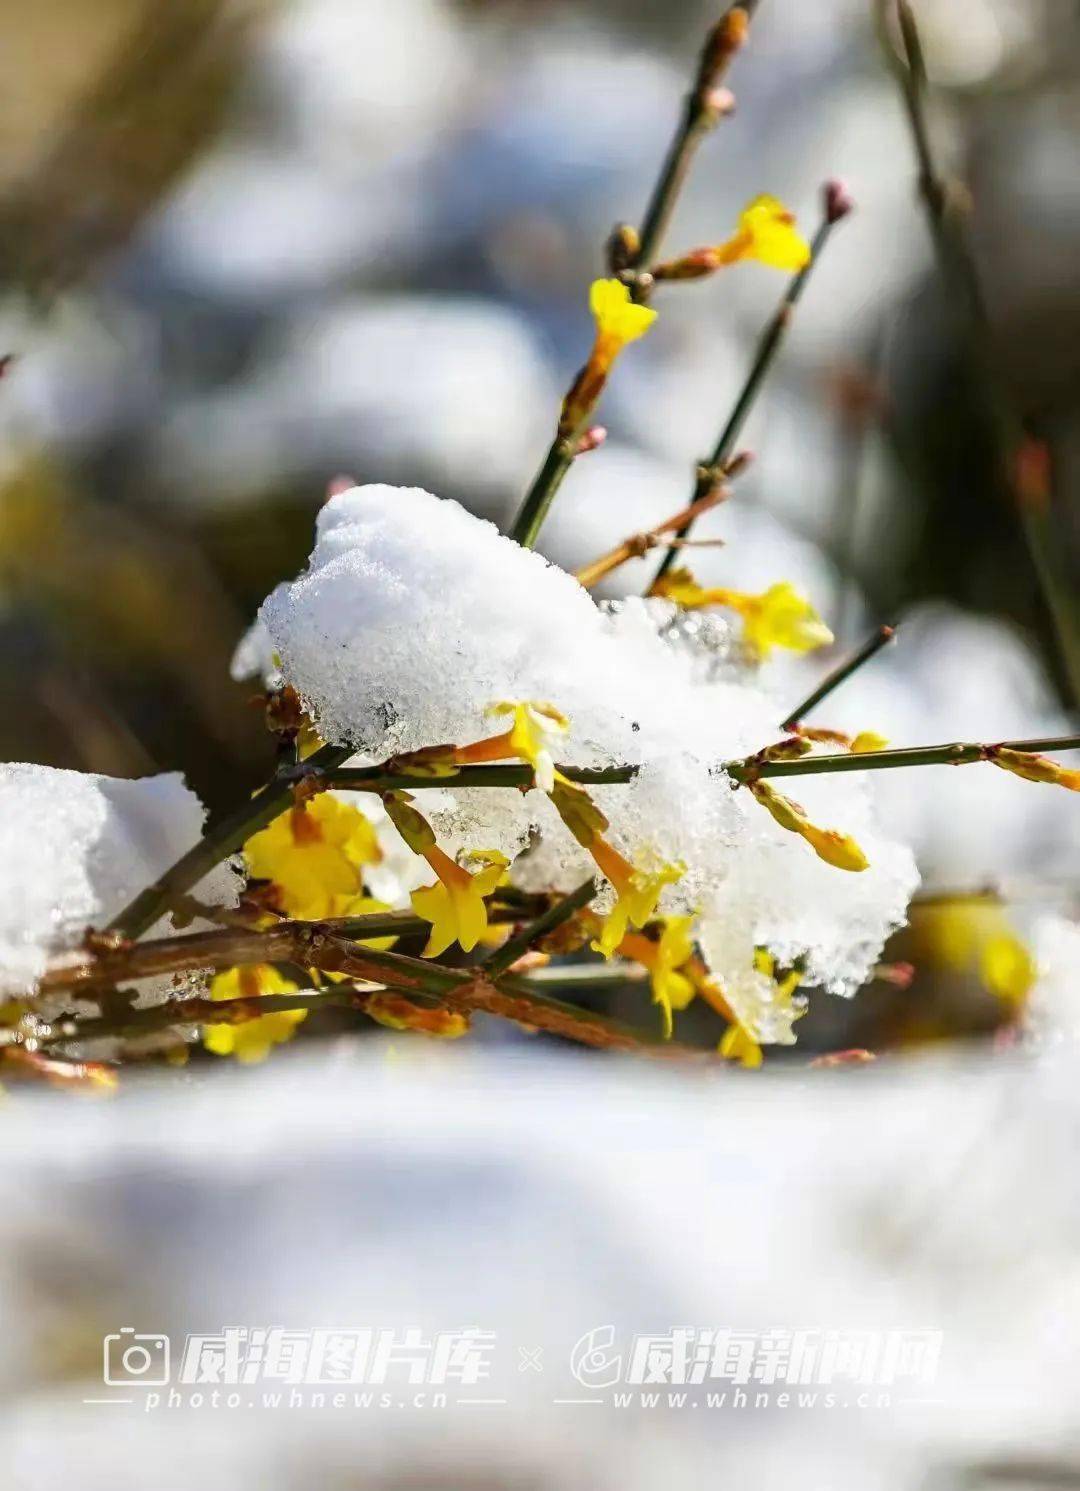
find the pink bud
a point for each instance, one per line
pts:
(838, 201)
(592, 438)
(339, 484)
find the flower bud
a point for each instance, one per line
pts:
(838, 201)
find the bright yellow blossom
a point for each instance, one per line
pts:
(312, 854)
(252, 1040)
(536, 726)
(618, 320)
(666, 959)
(836, 849)
(455, 904)
(638, 889)
(767, 233)
(868, 740)
(779, 617)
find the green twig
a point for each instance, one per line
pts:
(516, 947)
(698, 118)
(881, 638)
(713, 471)
(220, 840)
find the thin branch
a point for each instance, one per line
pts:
(946, 208)
(639, 544)
(700, 113)
(750, 768)
(516, 947)
(714, 470)
(311, 945)
(698, 118)
(959, 753)
(881, 638)
(220, 840)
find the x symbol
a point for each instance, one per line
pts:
(529, 1358)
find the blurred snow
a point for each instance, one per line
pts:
(75, 848)
(540, 1197)
(396, 384)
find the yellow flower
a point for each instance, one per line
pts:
(252, 1040)
(767, 233)
(1007, 969)
(398, 1013)
(455, 904)
(672, 988)
(737, 1044)
(618, 320)
(535, 727)
(780, 617)
(835, 848)
(976, 937)
(638, 889)
(1035, 768)
(868, 740)
(312, 854)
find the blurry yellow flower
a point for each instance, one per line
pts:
(618, 320)
(455, 904)
(737, 1044)
(976, 937)
(666, 960)
(1035, 768)
(868, 740)
(835, 848)
(779, 617)
(767, 233)
(398, 1013)
(313, 855)
(638, 889)
(1007, 969)
(252, 1040)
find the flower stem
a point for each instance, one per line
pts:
(538, 499)
(881, 638)
(639, 544)
(713, 471)
(516, 947)
(698, 117)
(960, 753)
(220, 840)
(696, 121)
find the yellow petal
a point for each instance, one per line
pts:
(617, 317)
(868, 740)
(737, 1044)
(774, 239)
(1007, 968)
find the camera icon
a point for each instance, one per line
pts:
(134, 1359)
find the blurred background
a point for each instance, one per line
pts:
(248, 246)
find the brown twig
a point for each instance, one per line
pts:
(639, 544)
